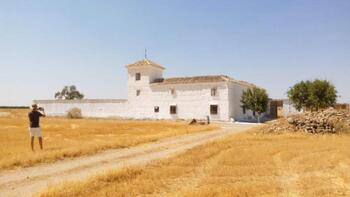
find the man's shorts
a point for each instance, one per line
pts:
(35, 132)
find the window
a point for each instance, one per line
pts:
(214, 109)
(156, 109)
(138, 76)
(172, 91)
(138, 92)
(213, 92)
(173, 109)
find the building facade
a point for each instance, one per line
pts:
(150, 96)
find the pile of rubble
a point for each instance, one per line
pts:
(326, 121)
(278, 126)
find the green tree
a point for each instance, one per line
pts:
(323, 94)
(299, 94)
(69, 93)
(314, 95)
(256, 100)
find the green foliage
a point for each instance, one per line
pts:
(255, 99)
(299, 94)
(69, 93)
(317, 94)
(74, 113)
(323, 94)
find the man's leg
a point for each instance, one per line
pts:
(32, 142)
(41, 142)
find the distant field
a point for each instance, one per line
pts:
(71, 138)
(14, 107)
(246, 164)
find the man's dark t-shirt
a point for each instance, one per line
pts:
(34, 117)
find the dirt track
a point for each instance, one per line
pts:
(27, 181)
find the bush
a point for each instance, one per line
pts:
(342, 127)
(74, 113)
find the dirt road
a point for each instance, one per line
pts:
(27, 181)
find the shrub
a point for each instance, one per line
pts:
(342, 127)
(74, 113)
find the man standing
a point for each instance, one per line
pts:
(34, 127)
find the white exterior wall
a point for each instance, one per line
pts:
(235, 110)
(191, 100)
(89, 108)
(289, 109)
(235, 95)
(139, 106)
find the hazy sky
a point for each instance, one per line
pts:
(45, 45)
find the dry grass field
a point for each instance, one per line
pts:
(75, 137)
(246, 164)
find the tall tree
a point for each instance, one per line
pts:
(314, 95)
(256, 100)
(69, 93)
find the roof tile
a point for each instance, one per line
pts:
(144, 62)
(199, 79)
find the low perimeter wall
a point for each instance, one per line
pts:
(89, 107)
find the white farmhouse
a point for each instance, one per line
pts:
(150, 96)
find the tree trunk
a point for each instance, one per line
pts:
(259, 117)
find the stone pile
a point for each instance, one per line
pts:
(326, 121)
(278, 126)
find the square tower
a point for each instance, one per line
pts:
(140, 75)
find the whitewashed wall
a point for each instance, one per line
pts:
(138, 106)
(235, 110)
(289, 109)
(234, 97)
(191, 100)
(89, 107)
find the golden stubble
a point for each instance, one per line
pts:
(246, 164)
(64, 138)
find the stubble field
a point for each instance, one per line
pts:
(246, 164)
(64, 138)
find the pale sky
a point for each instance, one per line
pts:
(45, 45)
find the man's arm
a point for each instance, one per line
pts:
(42, 112)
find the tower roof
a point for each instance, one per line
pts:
(144, 62)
